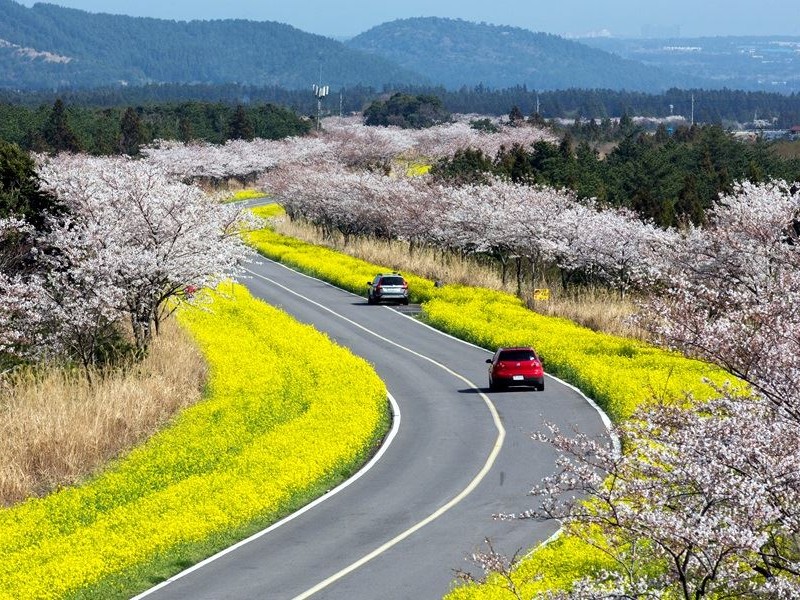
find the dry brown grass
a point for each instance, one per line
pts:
(56, 427)
(598, 308)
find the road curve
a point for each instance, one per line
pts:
(401, 529)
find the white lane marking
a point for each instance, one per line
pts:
(384, 447)
(498, 444)
(604, 418)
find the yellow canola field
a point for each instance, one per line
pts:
(287, 415)
(619, 374)
(247, 194)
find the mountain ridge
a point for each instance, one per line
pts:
(458, 52)
(117, 49)
(49, 47)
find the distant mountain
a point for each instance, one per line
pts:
(456, 53)
(48, 46)
(763, 63)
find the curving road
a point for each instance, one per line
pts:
(400, 530)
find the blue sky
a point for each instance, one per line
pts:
(623, 18)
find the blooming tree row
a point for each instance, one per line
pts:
(131, 239)
(508, 220)
(344, 140)
(705, 502)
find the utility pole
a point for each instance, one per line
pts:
(692, 109)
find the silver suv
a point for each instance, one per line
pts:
(387, 286)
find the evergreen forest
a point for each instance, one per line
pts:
(122, 130)
(669, 179)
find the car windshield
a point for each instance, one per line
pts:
(392, 281)
(517, 355)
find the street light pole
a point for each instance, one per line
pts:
(320, 91)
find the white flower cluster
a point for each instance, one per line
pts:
(544, 225)
(133, 238)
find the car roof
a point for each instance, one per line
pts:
(516, 348)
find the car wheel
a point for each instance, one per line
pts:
(405, 301)
(540, 387)
(370, 300)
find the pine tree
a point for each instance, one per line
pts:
(131, 134)
(185, 132)
(20, 194)
(240, 127)
(57, 132)
(515, 116)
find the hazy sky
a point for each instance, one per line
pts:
(629, 18)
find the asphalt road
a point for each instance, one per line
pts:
(402, 529)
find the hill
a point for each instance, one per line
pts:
(49, 46)
(456, 53)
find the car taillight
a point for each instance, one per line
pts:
(378, 288)
(405, 285)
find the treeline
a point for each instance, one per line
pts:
(721, 107)
(407, 112)
(670, 179)
(710, 106)
(70, 127)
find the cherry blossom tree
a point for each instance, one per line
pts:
(132, 240)
(612, 245)
(734, 291)
(704, 502)
(148, 237)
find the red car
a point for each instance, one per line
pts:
(515, 366)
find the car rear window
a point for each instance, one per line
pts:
(392, 281)
(518, 355)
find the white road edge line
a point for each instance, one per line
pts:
(603, 416)
(363, 471)
(495, 452)
(384, 447)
